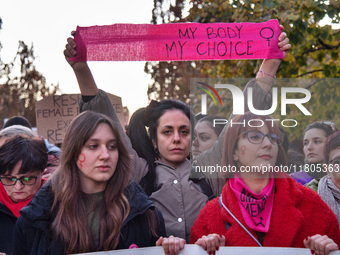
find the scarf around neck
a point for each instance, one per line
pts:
(12, 206)
(256, 209)
(330, 193)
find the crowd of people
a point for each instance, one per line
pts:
(108, 188)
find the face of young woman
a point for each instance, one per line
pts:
(173, 137)
(19, 192)
(334, 168)
(98, 159)
(313, 143)
(249, 154)
(205, 138)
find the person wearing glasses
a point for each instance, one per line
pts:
(166, 167)
(329, 185)
(22, 163)
(260, 205)
(91, 203)
(315, 136)
(18, 129)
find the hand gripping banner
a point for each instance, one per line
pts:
(178, 42)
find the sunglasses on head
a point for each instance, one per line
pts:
(331, 124)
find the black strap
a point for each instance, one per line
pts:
(87, 98)
(232, 215)
(205, 187)
(260, 237)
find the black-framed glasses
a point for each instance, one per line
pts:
(256, 137)
(11, 181)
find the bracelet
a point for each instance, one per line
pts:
(264, 73)
(269, 84)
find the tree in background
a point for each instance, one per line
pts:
(20, 89)
(170, 79)
(314, 54)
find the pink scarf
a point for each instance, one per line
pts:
(14, 207)
(256, 208)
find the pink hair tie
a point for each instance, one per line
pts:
(133, 246)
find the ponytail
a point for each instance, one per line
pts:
(143, 145)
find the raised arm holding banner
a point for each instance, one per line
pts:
(89, 88)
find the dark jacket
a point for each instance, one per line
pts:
(32, 229)
(7, 224)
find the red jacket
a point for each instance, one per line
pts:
(298, 212)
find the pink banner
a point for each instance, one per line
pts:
(178, 41)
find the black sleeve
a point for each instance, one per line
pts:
(19, 242)
(87, 98)
(137, 231)
(160, 223)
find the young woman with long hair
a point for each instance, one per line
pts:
(314, 138)
(329, 185)
(160, 160)
(160, 136)
(205, 135)
(90, 204)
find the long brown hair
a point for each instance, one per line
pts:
(233, 133)
(68, 210)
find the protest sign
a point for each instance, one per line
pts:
(190, 249)
(55, 113)
(178, 41)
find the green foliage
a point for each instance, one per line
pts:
(314, 53)
(323, 105)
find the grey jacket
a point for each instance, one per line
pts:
(178, 198)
